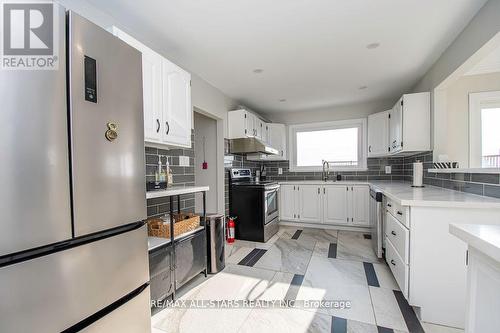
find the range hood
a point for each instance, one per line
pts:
(250, 146)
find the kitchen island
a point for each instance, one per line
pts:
(483, 275)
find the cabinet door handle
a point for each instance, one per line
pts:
(389, 205)
(393, 233)
(318, 190)
(157, 125)
(369, 149)
(168, 127)
(399, 213)
(393, 262)
(324, 191)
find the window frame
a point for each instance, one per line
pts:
(361, 123)
(477, 100)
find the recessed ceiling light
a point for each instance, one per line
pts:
(282, 100)
(363, 87)
(258, 71)
(372, 46)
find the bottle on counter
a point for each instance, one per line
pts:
(168, 174)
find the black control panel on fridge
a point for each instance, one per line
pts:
(90, 66)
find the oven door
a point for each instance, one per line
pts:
(271, 203)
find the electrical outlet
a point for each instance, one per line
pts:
(183, 160)
(388, 169)
(280, 171)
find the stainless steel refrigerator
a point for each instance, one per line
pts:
(73, 244)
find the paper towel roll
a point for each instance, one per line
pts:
(418, 174)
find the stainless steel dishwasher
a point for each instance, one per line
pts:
(376, 221)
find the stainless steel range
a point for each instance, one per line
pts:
(255, 204)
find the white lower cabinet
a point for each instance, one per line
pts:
(310, 203)
(328, 204)
(288, 202)
(358, 199)
(399, 269)
(335, 205)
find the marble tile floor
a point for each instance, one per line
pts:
(297, 265)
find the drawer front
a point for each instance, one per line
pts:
(398, 211)
(399, 236)
(399, 269)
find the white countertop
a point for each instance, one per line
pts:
(428, 196)
(172, 191)
(485, 238)
(155, 242)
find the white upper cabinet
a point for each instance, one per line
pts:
(396, 127)
(410, 123)
(177, 110)
(166, 98)
(277, 140)
(241, 124)
(275, 136)
(378, 134)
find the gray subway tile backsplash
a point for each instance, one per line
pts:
(182, 176)
(402, 170)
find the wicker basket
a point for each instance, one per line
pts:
(184, 222)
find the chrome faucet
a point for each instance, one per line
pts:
(326, 171)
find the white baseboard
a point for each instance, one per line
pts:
(324, 226)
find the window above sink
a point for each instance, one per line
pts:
(342, 143)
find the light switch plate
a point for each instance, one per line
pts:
(183, 160)
(280, 171)
(388, 169)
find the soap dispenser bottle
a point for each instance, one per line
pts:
(169, 177)
(158, 171)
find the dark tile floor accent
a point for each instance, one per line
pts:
(252, 257)
(367, 236)
(294, 287)
(408, 314)
(332, 251)
(371, 276)
(381, 329)
(296, 235)
(339, 325)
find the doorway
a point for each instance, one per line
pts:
(205, 159)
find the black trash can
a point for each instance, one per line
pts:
(216, 240)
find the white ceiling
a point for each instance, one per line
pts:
(313, 52)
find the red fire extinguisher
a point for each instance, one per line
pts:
(230, 230)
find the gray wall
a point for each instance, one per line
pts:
(340, 112)
(206, 128)
(480, 30)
